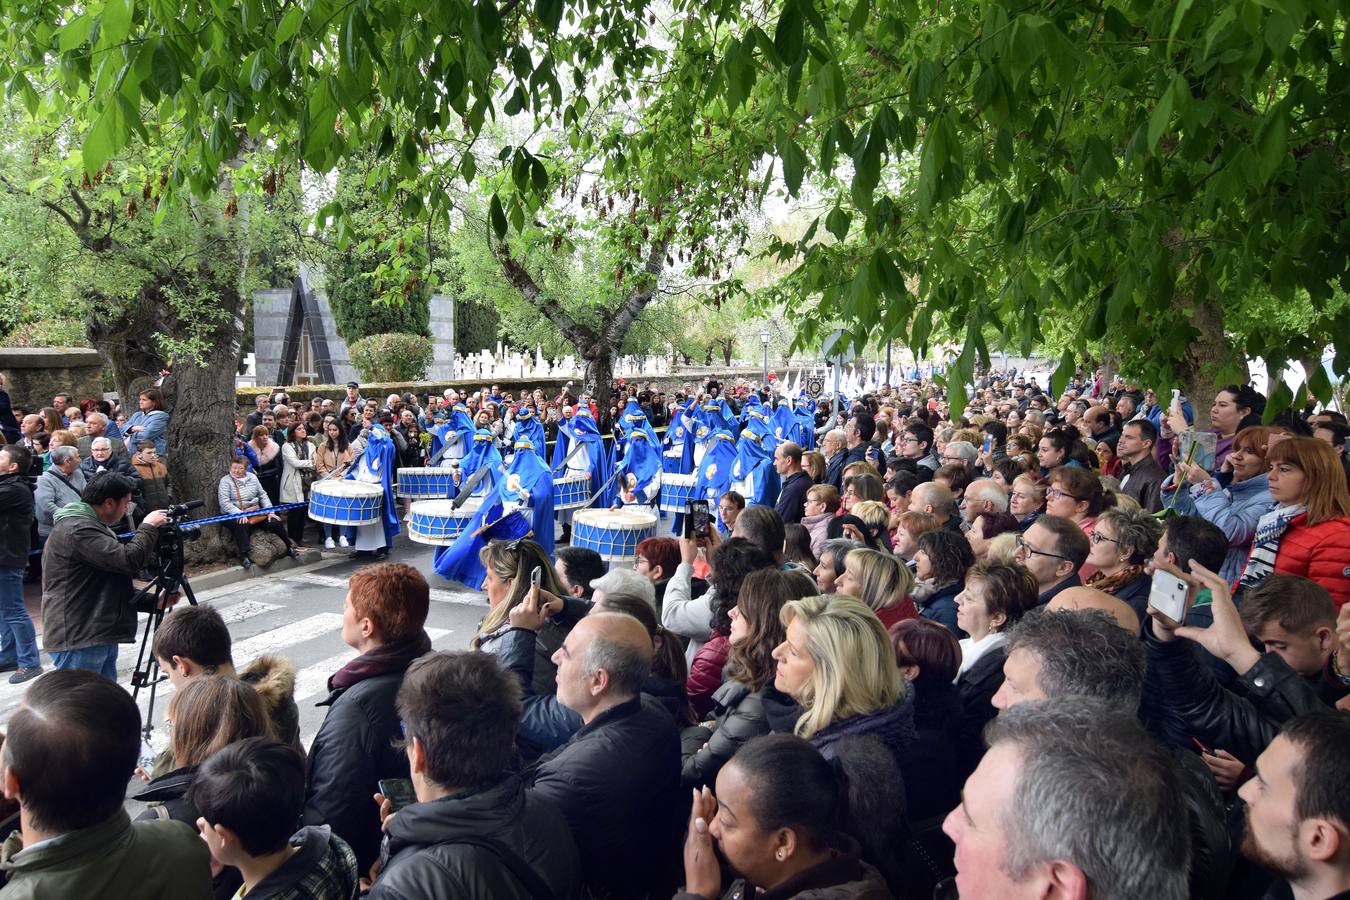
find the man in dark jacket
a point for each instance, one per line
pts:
(1140, 477)
(382, 618)
(86, 577)
(617, 781)
(835, 453)
(18, 644)
(474, 830)
(787, 462)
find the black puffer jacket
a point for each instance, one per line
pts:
(617, 782)
(16, 520)
(742, 714)
(353, 750)
(424, 855)
(934, 778)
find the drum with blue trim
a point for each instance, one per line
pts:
(438, 522)
(342, 502)
(572, 492)
(422, 483)
(672, 460)
(613, 533)
(677, 491)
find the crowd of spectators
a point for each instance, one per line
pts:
(937, 667)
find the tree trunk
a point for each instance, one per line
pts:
(598, 376)
(727, 348)
(1207, 356)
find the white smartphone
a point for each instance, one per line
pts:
(1168, 596)
(535, 576)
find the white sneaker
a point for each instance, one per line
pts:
(328, 544)
(343, 542)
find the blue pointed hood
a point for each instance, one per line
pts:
(639, 466)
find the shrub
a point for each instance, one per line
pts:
(392, 357)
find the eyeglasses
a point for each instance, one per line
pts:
(1029, 550)
(1056, 492)
(907, 439)
(1098, 537)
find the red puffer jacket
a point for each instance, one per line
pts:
(1320, 552)
(705, 673)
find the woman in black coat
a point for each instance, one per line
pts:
(928, 656)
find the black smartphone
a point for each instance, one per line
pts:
(398, 791)
(697, 524)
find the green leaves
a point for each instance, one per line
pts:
(110, 133)
(289, 25)
(115, 23)
(789, 38)
(1272, 143)
(794, 162)
(497, 216)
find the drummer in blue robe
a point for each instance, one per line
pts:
(714, 473)
(376, 465)
(717, 415)
(520, 506)
(678, 447)
(639, 472)
(754, 407)
(581, 450)
(455, 435)
(634, 419)
(752, 474)
(804, 409)
(483, 455)
(784, 422)
(529, 429)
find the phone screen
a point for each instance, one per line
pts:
(398, 791)
(988, 443)
(1168, 596)
(698, 519)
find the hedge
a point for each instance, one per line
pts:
(392, 357)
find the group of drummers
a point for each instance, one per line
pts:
(606, 492)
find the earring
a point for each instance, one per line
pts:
(778, 856)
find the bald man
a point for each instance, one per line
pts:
(938, 499)
(618, 777)
(1091, 598)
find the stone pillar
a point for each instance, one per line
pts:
(443, 336)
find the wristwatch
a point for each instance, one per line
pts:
(1336, 672)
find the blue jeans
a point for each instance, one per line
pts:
(18, 640)
(100, 658)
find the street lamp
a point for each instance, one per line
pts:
(764, 340)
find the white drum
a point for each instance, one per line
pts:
(339, 501)
(676, 491)
(438, 522)
(423, 483)
(572, 492)
(613, 533)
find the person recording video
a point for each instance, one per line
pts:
(86, 576)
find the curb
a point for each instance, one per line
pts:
(234, 574)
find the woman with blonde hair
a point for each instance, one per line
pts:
(207, 713)
(509, 566)
(881, 581)
(1026, 500)
(1308, 532)
(838, 663)
(814, 464)
(877, 517)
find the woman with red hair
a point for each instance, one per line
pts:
(1308, 531)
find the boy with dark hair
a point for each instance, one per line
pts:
(250, 795)
(1295, 618)
(195, 640)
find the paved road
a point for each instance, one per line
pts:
(298, 614)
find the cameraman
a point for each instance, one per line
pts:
(86, 576)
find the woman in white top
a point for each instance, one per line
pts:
(297, 460)
(995, 596)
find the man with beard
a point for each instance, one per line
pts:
(1298, 807)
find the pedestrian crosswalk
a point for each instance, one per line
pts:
(298, 616)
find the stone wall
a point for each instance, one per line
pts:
(33, 375)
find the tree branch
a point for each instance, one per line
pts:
(521, 280)
(638, 298)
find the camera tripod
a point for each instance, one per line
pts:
(169, 580)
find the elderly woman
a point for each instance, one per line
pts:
(822, 502)
(1026, 501)
(1123, 541)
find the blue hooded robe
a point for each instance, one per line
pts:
(459, 424)
(680, 437)
(714, 473)
(784, 423)
(376, 466)
(717, 415)
(804, 409)
(483, 453)
(581, 427)
(530, 430)
(520, 506)
(754, 460)
(639, 470)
